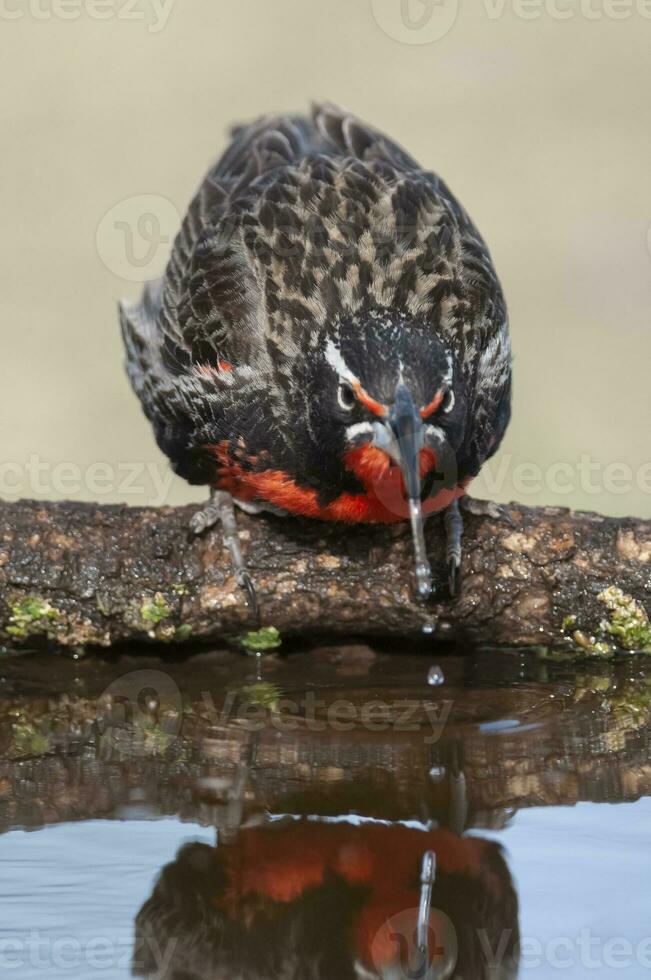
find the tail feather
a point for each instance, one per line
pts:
(355, 138)
(140, 335)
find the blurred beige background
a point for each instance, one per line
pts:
(537, 115)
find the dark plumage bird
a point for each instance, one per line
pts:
(307, 900)
(330, 338)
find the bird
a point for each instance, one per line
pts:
(330, 339)
(314, 899)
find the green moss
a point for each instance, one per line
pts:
(264, 695)
(180, 589)
(267, 638)
(627, 628)
(633, 701)
(26, 739)
(627, 701)
(157, 740)
(31, 616)
(628, 623)
(183, 632)
(155, 610)
(591, 645)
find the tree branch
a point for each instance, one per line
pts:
(77, 574)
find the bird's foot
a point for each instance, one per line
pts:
(458, 807)
(453, 522)
(486, 508)
(220, 509)
(202, 520)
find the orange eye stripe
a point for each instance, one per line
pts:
(433, 405)
(207, 369)
(370, 403)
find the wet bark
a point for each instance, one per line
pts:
(80, 574)
(65, 758)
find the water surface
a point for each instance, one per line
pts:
(227, 816)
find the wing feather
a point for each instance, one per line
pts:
(302, 220)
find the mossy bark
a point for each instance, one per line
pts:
(83, 574)
(66, 758)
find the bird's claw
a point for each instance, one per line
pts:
(201, 521)
(486, 508)
(245, 582)
(453, 576)
(220, 510)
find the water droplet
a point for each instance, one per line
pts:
(437, 773)
(501, 725)
(435, 676)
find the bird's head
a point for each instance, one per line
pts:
(388, 402)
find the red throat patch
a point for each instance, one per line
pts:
(383, 502)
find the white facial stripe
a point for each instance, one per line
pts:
(451, 400)
(359, 430)
(433, 433)
(447, 380)
(335, 360)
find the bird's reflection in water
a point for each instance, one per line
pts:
(309, 900)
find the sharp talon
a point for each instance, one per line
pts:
(506, 517)
(220, 510)
(244, 580)
(194, 530)
(499, 513)
(487, 508)
(197, 525)
(453, 577)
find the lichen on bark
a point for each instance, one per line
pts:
(80, 575)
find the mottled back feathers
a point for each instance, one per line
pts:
(301, 224)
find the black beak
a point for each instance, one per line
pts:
(407, 428)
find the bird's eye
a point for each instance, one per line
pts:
(448, 401)
(346, 396)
